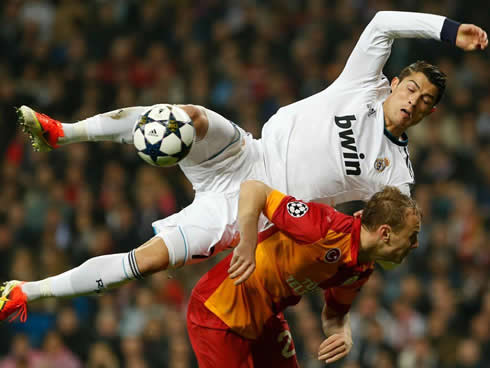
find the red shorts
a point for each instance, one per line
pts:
(216, 346)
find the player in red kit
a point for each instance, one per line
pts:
(310, 245)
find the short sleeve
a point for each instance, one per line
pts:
(305, 222)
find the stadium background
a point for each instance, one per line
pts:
(73, 59)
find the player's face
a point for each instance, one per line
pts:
(399, 244)
(411, 100)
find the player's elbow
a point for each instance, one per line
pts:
(249, 186)
(382, 15)
(381, 18)
(255, 186)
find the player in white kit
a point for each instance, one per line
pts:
(342, 144)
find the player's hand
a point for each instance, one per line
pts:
(335, 347)
(471, 37)
(358, 214)
(242, 263)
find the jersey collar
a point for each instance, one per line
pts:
(403, 141)
(355, 242)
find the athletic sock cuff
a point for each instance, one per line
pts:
(132, 272)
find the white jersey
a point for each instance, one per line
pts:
(333, 147)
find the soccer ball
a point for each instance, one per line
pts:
(163, 135)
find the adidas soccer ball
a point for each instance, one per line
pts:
(163, 135)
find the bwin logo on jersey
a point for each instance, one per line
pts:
(348, 142)
(297, 209)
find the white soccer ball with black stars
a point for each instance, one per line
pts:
(163, 135)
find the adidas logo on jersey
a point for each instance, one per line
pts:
(348, 142)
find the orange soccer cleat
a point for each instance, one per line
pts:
(13, 299)
(43, 131)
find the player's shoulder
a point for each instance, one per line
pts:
(340, 222)
(297, 207)
(376, 87)
(302, 211)
(306, 104)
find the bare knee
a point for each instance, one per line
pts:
(152, 256)
(199, 119)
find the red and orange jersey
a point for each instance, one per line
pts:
(310, 246)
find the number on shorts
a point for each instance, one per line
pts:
(286, 353)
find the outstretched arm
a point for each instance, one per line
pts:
(371, 52)
(253, 197)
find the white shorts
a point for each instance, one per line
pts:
(209, 224)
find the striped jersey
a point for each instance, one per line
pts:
(310, 246)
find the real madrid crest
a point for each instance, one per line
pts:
(381, 163)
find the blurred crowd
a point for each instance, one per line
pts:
(243, 58)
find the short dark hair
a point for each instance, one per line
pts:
(432, 72)
(388, 207)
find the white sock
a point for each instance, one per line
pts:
(94, 276)
(116, 126)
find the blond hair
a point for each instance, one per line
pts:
(388, 207)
